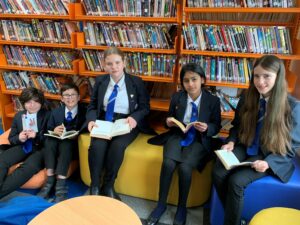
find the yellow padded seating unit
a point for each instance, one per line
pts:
(140, 171)
(276, 216)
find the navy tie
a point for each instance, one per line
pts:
(253, 148)
(69, 116)
(190, 136)
(111, 104)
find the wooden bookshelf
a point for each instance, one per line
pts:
(5, 66)
(84, 72)
(70, 16)
(81, 16)
(81, 44)
(71, 45)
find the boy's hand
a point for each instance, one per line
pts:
(23, 136)
(170, 123)
(59, 129)
(229, 146)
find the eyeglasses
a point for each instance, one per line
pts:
(70, 96)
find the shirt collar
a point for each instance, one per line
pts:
(120, 83)
(197, 101)
(74, 111)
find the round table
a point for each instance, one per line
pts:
(88, 210)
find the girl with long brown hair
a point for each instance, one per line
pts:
(266, 131)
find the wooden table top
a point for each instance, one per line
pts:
(88, 210)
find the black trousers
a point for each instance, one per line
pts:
(108, 154)
(230, 184)
(58, 154)
(32, 163)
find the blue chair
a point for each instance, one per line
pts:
(263, 193)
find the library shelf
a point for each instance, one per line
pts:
(81, 16)
(5, 66)
(81, 45)
(70, 45)
(70, 16)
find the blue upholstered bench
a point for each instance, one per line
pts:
(263, 193)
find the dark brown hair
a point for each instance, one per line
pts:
(68, 86)
(32, 93)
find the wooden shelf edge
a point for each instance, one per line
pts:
(226, 84)
(240, 10)
(159, 104)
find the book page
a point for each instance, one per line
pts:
(120, 127)
(229, 159)
(103, 128)
(178, 123)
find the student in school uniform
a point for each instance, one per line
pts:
(270, 143)
(59, 153)
(115, 95)
(25, 142)
(186, 151)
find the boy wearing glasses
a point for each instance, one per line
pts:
(58, 153)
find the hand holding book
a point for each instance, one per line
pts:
(60, 132)
(172, 122)
(229, 160)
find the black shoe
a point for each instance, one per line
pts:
(179, 222)
(180, 216)
(94, 190)
(152, 220)
(46, 190)
(61, 193)
(110, 192)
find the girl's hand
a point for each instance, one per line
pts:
(260, 166)
(170, 123)
(23, 136)
(229, 146)
(91, 125)
(132, 122)
(201, 127)
(30, 133)
(59, 129)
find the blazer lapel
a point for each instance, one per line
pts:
(181, 107)
(61, 116)
(102, 90)
(131, 93)
(204, 106)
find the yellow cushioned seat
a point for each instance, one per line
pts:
(276, 216)
(140, 171)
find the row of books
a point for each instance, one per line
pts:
(136, 35)
(244, 17)
(147, 8)
(233, 38)
(136, 63)
(235, 70)
(48, 83)
(53, 7)
(241, 3)
(227, 103)
(38, 57)
(22, 79)
(36, 31)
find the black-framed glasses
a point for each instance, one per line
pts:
(70, 95)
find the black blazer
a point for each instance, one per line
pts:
(281, 166)
(210, 113)
(57, 117)
(17, 128)
(138, 97)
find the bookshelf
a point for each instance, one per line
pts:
(184, 16)
(241, 16)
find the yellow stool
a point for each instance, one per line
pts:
(140, 171)
(276, 216)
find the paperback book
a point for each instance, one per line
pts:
(229, 159)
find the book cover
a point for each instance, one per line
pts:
(229, 160)
(107, 129)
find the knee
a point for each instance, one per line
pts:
(185, 169)
(168, 164)
(235, 185)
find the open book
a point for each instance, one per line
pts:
(182, 126)
(229, 159)
(65, 134)
(107, 130)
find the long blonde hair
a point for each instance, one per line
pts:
(275, 133)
